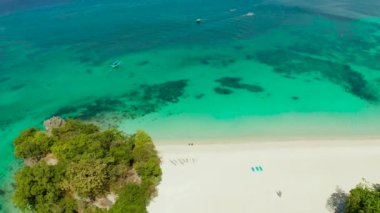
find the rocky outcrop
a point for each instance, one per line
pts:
(103, 203)
(112, 197)
(50, 159)
(30, 162)
(133, 177)
(52, 123)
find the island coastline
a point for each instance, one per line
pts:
(218, 177)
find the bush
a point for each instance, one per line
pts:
(143, 147)
(32, 144)
(74, 127)
(37, 187)
(147, 162)
(363, 199)
(132, 199)
(149, 169)
(86, 179)
(66, 205)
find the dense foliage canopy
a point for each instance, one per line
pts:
(363, 199)
(88, 164)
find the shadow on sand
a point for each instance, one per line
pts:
(337, 201)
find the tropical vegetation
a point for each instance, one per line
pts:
(363, 199)
(79, 168)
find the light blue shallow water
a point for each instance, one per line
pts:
(293, 69)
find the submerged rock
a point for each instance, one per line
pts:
(52, 123)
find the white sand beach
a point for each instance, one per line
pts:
(218, 177)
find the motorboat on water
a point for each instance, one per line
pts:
(115, 64)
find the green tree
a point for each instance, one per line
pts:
(66, 205)
(74, 127)
(32, 144)
(132, 199)
(79, 147)
(363, 199)
(149, 169)
(37, 187)
(121, 152)
(147, 162)
(91, 163)
(88, 179)
(144, 147)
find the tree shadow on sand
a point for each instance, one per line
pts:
(337, 201)
(376, 186)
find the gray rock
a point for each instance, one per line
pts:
(52, 123)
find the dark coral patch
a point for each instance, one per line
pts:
(17, 87)
(204, 61)
(169, 91)
(66, 110)
(288, 63)
(90, 109)
(289, 76)
(143, 63)
(238, 47)
(217, 60)
(2, 192)
(137, 103)
(232, 82)
(151, 98)
(4, 79)
(84, 59)
(223, 91)
(249, 57)
(229, 82)
(139, 110)
(199, 96)
(252, 88)
(99, 106)
(295, 98)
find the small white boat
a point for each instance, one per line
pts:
(249, 14)
(115, 64)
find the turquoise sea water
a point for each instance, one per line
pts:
(294, 68)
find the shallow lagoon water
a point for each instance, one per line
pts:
(291, 70)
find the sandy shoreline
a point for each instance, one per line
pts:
(219, 177)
